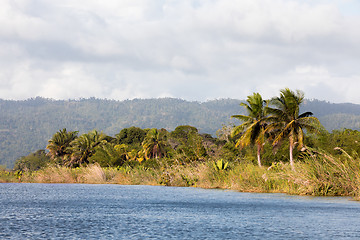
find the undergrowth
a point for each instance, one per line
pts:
(316, 173)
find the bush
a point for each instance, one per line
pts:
(32, 162)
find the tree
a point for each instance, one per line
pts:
(346, 139)
(187, 142)
(287, 122)
(32, 162)
(59, 144)
(154, 143)
(182, 132)
(225, 133)
(252, 129)
(131, 136)
(108, 154)
(84, 147)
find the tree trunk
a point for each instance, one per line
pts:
(258, 154)
(291, 156)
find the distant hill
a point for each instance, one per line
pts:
(26, 126)
(335, 115)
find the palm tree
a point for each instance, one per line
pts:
(254, 124)
(287, 122)
(154, 144)
(58, 145)
(84, 147)
(107, 154)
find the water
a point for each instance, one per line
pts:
(75, 211)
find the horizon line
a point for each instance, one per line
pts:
(151, 98)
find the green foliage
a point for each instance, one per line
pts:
(220, 165)
(59, 144)
(285, 119)
(195, 143)
(84, 147)
(32, 162)
(287, 122)
(323, 174)
(184, 157)
(166, 178)
(154, 144)
(188, 143)
(27, 125)
(151, 163)
(183, 132)
(7, 176)
(110, 155)
(252, 130)
(278, 154)
(347, 139)
(320, 173)
(189, 181)
(132, 136)
(153, 156)
(224, 133)
(229, 151)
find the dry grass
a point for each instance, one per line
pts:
(93, 174)
(318, 174)
(52, 174)
(322, 174)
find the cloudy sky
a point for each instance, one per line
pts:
(191, 49)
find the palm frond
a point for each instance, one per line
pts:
(305, 114)
(242, 118)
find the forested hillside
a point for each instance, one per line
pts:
(25, 126)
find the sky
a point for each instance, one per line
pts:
(197, 50)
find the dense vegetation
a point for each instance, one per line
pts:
(275, 147)
(25, 126)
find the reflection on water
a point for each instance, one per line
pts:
(75, 211)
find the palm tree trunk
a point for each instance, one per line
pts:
(258, 154)
(291, 148)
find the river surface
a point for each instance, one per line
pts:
(80, 211)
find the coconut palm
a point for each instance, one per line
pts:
(287, 122)
(252, 129)
(84, 146)
(154, 144)
(59, 143)
(107, 154)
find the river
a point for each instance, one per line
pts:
(85, 211)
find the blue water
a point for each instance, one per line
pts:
(75, 211)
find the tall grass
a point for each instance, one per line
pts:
(322, 174)
(53, 174)
(6, 176)
(317, 173)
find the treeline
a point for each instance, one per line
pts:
(135, 146)
(26, 126)
(131, 146)
(275, 147)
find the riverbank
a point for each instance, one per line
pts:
(318, 174)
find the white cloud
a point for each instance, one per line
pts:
(196, 50)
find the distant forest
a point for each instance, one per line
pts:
(27, 125)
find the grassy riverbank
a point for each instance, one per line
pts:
(317, 174)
